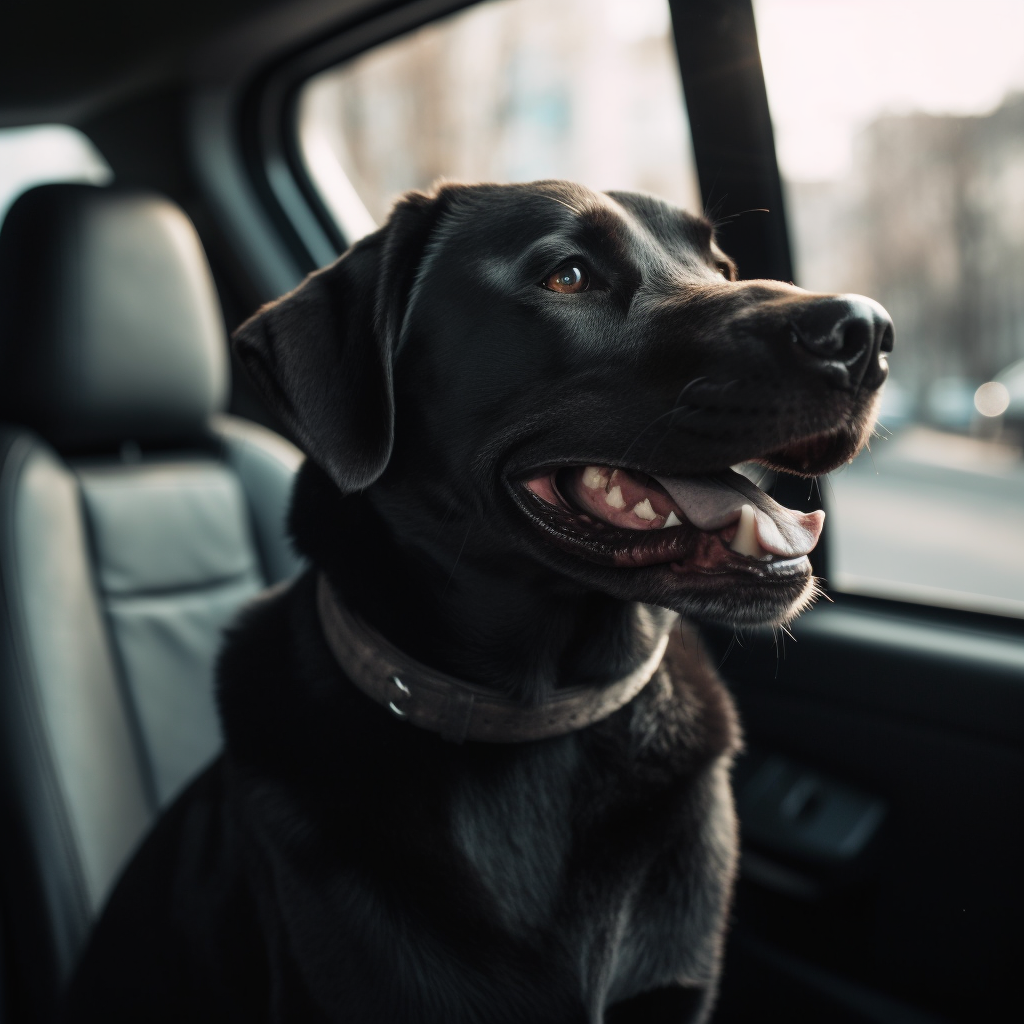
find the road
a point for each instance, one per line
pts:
(931, 517)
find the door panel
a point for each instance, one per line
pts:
(933, 730)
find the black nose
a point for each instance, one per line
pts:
(847, 337)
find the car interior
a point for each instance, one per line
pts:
(165, 169)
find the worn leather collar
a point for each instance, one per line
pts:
(457, 710)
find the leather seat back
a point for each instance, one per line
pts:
(135, 520)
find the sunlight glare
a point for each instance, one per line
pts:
(832, 66)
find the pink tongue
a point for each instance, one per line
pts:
(711, 502)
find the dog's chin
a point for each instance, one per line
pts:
(734, 601)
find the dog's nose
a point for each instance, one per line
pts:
(847, 337)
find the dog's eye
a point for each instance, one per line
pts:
(568, 279)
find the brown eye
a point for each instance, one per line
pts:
(568, 280)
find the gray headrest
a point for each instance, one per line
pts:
(110, 326)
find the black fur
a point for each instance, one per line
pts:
(338, 865)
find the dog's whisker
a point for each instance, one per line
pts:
(574, 209)
(673, 412)
(685, 388)
(831, 489)
(653, 423)
(447, 515)
(728, 651)
(682, 633)
(455, 565)
(713, 206)
(775, 640)
(733, 216)
(675, 408)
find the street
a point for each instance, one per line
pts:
(930, 517)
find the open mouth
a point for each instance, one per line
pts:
(715, 524)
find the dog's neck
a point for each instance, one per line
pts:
(525, 632)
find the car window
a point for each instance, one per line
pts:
(510, 90)
(45, 153)
(899, 127)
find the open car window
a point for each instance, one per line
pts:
(900, 135)
(510, 90)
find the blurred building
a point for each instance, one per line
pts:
(587, 90)
(930, 221)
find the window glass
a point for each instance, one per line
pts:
(45, 153)
(899, 127)
(511, 90)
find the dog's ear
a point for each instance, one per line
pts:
(321, 356)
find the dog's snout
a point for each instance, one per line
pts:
(847, 336)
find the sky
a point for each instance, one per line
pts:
(637, 19)
(832, 66)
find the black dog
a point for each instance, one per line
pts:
(520, 405)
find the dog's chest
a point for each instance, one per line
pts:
(614, 851)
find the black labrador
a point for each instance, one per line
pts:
(460, 781)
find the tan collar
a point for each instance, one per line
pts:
(461, 711)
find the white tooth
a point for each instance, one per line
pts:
(594, 476)
(745, 541)
(673, 520)
(644, 510)
(615, 499)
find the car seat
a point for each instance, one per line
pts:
(135, 520)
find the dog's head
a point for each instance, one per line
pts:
(545, 374)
